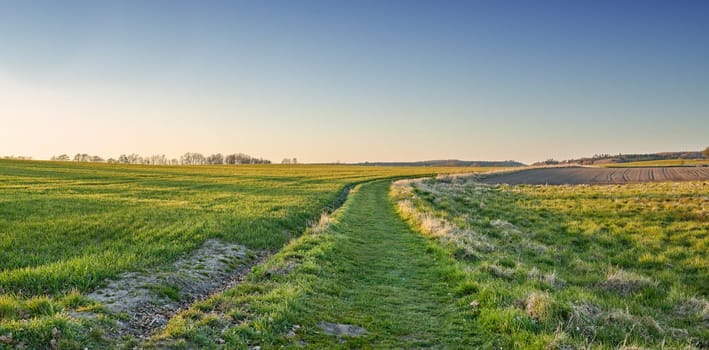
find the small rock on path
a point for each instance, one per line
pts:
(341, 330)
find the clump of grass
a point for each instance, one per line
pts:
(625, 282)
(74, 300)
(321, 225)
(537, 305)
(550, 279)
(626, 323)
(168, 291)
(694, 309)
(466, 288)
(10, 307)
(583, 317)
(545, 308)
(499, 271)
(561, 341)
(40, 306)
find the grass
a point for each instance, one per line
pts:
(65, 228)
(366, 268)
(659, 163)
(576, 266)
(502, 267)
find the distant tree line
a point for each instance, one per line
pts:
(17, 157)
(189, 158)
(217, 158)
(624, 158)
(447, 163)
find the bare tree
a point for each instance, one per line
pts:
(705, 152)
(242, 158)
(215, 159)
(135, 159)
(61, 157)
(193, 159)
(82, 157)
(157, 159)
(186, 159)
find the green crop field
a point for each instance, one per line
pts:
(504, 266)
(65, 228)
(575, 266)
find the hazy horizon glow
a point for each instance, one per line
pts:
(354, 81)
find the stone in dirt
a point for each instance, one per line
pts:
(6, 339)
(340, 330)
(292, 331)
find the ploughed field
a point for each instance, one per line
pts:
(598, 176)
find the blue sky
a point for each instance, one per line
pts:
(354, 81)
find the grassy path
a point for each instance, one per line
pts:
(388, 279)
(367, 269)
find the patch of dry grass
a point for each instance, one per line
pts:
(626, 282)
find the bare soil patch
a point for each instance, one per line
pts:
(151, 298)
(597, 176)
(146, 301)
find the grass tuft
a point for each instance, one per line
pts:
(626, 282)
(537, 306)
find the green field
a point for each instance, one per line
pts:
(496, 266)
(576, 266)
(67, 227)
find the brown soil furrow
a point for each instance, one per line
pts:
(579, 175)
(626, 177)
(611, 177)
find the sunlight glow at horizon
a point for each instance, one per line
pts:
(354, 81)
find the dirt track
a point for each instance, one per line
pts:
(592, 176)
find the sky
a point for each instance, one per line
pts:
(354, 81)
